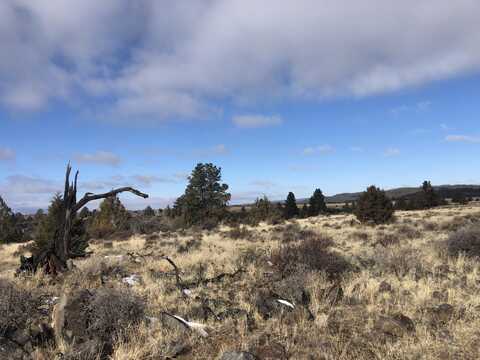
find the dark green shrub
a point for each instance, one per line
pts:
(373, 206)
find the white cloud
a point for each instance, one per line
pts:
(7, 154)
(219, 149)
(266, 184)
(321, 149)
(399, 110)
(26, 193)
(424, 105)
(148, 180)
(392, 152)
(463, 138)
(179, 60)
(356, 149)
(256, 121)
(99, 157)
(420, 106)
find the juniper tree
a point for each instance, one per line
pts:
(111, 217)
(401, 204)
(373, 206)
(429, 196)
(148, 211)
(317, 203)
(84, 213)
(291, 209)
(47, 228)
(9, 231)
(55, 252)
(305, 211)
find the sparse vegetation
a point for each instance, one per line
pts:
(346, 281)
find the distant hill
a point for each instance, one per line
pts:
(445, 191)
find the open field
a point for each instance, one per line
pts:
(384, 297)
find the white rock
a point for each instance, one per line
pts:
(131, 280)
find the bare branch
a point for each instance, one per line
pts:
(89, 196)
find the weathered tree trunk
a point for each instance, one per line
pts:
(55, 258)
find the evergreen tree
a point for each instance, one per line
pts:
(317, 203)
(149, 212)
(46, 230)
(429, 196)
(205, 198)
(168, 212)
(261, 210)
(9, 230)
(401, 204)
(373, 206)
(111, 217)
(305, 211)
(291, 209)
(84, 213)
(460, 198)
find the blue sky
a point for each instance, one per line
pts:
(290, 99)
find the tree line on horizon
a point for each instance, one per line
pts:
(204, 203)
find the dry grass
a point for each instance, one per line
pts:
(394, 271)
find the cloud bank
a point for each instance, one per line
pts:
(256, 121)
(99, 158)
(159, 59)
(463, 138)
(7, 154)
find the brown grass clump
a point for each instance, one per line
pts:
(407, 232)
(312, 253)
(465, 241)
(240, 232)
(16, 307)
(386, 239)
(399, 262)
(113, 311)
(360, 236)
